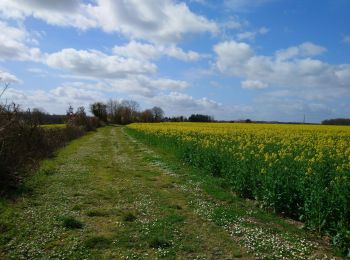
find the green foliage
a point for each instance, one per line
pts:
(200, 118)
(99, 110)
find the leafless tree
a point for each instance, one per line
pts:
(6, 85)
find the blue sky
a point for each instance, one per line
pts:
(232, 59)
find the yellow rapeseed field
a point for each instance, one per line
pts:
(302, 171)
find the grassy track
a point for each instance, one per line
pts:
(108, 196)
(53, 126)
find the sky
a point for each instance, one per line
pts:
(232, 59)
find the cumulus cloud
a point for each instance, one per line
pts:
(306, 49)
(252, 35)
(156, 21)
(280, 106)
(146, 51)
(176, 103)
(95, 64)
(55, 100)
(293, 68)
(13, 44)
(145, 86)
(61, 13)
(8, 77)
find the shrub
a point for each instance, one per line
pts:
(23, 143)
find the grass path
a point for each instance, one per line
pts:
(107, 196)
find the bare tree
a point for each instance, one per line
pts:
(147, 115)
(6, 85)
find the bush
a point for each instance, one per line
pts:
(80, 119)
(23, 143)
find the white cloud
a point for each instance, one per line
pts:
(61, 13)
(306, 49)
(252, 35)
(8, 77)
(13, 44)
(96, 64)
(246, 36)
(233, 23)
(145, 86)
(301, 72)
(231, 55)
(176, 103)
(253, 84)
(145, 51)
(310, 49)
(157, 21)
(55, 100)
(281, 107)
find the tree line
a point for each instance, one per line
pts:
(125, 112)
(128, 111)
(336, 121)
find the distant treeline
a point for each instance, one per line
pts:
(125, 112)
(41, 117)
(336, 121)
(115, 112)
(128, 111)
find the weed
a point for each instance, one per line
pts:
(129, 217)
(71, 223)
(159, 242)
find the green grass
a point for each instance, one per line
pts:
(53, 126)
(134, 202)
(98, 242)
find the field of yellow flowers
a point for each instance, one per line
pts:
(300, 171)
